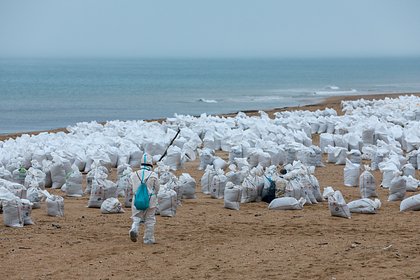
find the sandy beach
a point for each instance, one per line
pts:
(207, 241)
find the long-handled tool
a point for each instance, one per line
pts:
(172, 141)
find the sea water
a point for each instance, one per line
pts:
(41, 94)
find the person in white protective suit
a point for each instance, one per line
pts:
(146, 217)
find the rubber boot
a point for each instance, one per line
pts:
(134, 231)
(149, 237)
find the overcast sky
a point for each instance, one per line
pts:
(209, 28)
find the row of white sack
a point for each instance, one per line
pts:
(380, 159)
(105, 148)
(398, 185)
(352, 173)
(276, 155)
(100, 188)
(134, 134)
(404, 107)
(175, 158)
(338, 206)
(254, 184)
(17, 211)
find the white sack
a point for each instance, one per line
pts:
(206, 158)
(351, 174)
(58, 174)
(327, 192)
(355, 156)
(12, 213)
(219, 163)
(232, 196)
(35, 176)
(286, 203)
(111, 206)
(409, 170)
(55, 206)
(218, 184)
(207, 178)
(26, 212)
(73, 185)
(101, 190)
(338, 206)
(367, 184)
(364, 206)
(33, 195)
(188, 184)
(325, 140)
(397, 189)
(167, 202)
(411, 203)
(411, 184)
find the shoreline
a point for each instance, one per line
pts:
(333, 102)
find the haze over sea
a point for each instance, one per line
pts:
(41, 94)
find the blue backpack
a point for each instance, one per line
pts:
(270, 193)
(142, 196)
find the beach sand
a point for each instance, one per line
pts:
(207, 241)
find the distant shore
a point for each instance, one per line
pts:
(333, 102)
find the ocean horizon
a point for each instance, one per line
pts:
(42, 94)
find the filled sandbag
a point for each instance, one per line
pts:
(411, 203)
(188, 184)
(19, 175)
(73, 185)
(55, 206)
(232, 196)
(355, 156)
(101, 190)
(367, 184)
(15, 188)
(34, 196)
(123, 182)
(397, 189)
(167, 202)
(325, 140)
(35, 176)
(327, 192)
(206, 157)
(409, 170)
(5, 174)
(26, 212)
(128, 196)
(286, 203)
(364, 206)
(173, 158)
(411, 184)
(218, 184)
(207, 178)
(58, 174)
(235, 176)
(12, 212)
(316, 190)
(97, 172)
(219, 163)
(111, 206)
(338, 206)
(351, 174)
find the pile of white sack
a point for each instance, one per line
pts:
(384, 132)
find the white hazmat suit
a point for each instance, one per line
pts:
(146, 217)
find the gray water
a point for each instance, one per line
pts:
(40, 94)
